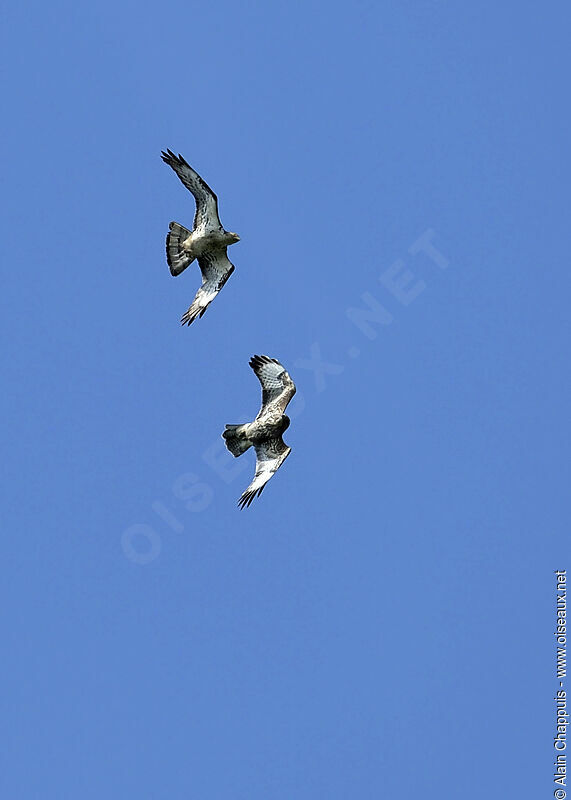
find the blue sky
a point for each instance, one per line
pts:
(380, 622)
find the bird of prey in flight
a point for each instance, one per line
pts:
(207, 242)
(264, 434)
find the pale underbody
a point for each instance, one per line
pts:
(199, 242)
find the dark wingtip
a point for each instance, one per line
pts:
(171, 158)
(246, 499)
(187, 319)
(258, 361)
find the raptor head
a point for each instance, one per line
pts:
(233, 237)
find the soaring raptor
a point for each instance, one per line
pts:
(265, 432)
(207, 241)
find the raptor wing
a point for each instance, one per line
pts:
(277, 386)
(270, 455)
(216, 268)
(206, 217)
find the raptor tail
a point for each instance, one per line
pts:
(236, 440)
(178, 258)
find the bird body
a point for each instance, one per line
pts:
(264, 434)
(207, 242)
(199, 242)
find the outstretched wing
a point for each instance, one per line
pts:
(216, 268)
(277, 386)
(206, 217)
(269, 457)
